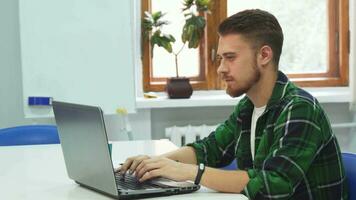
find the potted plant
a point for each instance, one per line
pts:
(192, 32)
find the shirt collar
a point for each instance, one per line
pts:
(279, 91)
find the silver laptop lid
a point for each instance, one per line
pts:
(85, 146)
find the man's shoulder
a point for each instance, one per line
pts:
(299, 101)
(299, 96)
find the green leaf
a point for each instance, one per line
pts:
(193, 30)
(151, 27)
(169, 37)
(199, 21)
(194, 42)
(156, 16)
(151, 20)
(148, 16)
(187, 4)
(164, 41)
(202, 5)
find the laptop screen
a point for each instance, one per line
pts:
(85, 147)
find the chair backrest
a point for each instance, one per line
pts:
(231, 166)
(349, 161)
(29, 135)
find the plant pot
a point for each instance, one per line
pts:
(179, 88)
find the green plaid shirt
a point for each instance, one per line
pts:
(297, 155)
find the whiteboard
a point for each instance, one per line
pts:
(78, 51)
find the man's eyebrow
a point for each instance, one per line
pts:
(226, 54)
(229, 53)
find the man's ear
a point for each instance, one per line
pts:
(265, 55)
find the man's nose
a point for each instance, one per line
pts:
(221, 69)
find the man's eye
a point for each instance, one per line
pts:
(230, 58)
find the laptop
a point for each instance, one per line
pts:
(87, 158)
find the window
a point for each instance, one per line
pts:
(192, 62)
(303, 38)
(164, 62)
(315, 50)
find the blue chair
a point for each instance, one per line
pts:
(231, 166)
(29, 135)
(349, 161)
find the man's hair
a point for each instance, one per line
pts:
(258, 27)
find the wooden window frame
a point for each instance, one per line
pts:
(339, 49)
(338, 54)
(200, 82)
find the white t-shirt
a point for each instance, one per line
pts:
(257, 112)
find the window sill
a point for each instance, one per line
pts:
(220, 98)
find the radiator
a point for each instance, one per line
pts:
(181, 135)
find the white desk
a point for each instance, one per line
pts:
(38, 172)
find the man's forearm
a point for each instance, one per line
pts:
(216, 179)
(184, 154)
(220, 180)
(233, 181)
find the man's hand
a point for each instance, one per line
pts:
(164, 167)
(146, 167)
(131, 164)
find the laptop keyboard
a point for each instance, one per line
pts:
(130, 182)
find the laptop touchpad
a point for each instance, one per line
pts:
(167, 182)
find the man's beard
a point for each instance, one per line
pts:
(242, 89)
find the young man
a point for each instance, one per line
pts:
(278, 133)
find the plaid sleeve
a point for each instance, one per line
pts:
(297, 139)
(217, 150)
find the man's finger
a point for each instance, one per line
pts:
(146, 168)
(145, 162)
(133, 166)
(118, 169)
(136, 162)
(150, 174)
(126, 165)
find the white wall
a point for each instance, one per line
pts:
(10, 65)
(145, 122)
(11, 108)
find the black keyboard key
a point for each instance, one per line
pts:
(129, 181)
